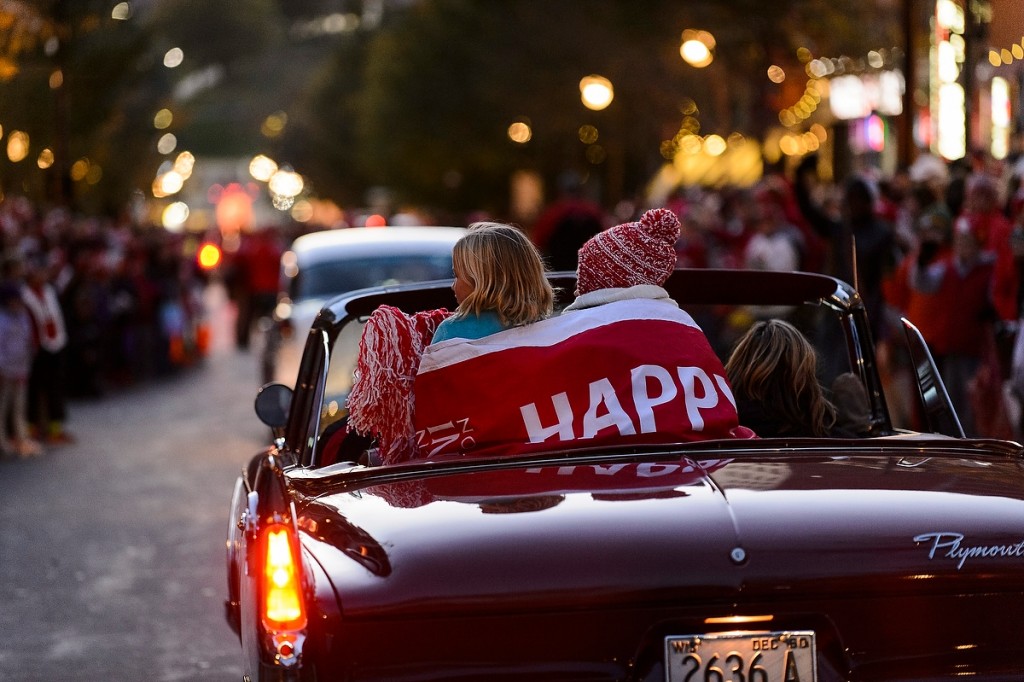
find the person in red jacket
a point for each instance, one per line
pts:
(259, 263)
(951, 299)
(983, 217)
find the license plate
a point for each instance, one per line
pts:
(746, 656)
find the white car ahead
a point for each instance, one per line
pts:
(322, 265)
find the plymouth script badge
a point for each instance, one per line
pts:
(750, 656)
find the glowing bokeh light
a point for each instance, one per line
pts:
(697, 48)
(952, 143)
(174, 216)
(286, 183)
(596, 92)
(262, 167)
(173, 57)
(588, 134)
(171, 183)
(714, 145)
(302, 211)
(122, 12)
(695, 53)
(167, 143)
(163, 119)
(45, 159)
(520, 132)
(184, 164)
(274, 124)
(691, 144)
(234, 211)
(596, 154)
(209, 256)
(17, 145)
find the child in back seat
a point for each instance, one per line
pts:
(499, 283)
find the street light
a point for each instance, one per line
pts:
(596, 92)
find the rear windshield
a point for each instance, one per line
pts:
(323, 280)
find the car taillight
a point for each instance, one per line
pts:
(282, 588)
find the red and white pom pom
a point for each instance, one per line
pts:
(662, 224)
(381, 402)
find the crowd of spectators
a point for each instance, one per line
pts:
(113, 302)
(940, 243)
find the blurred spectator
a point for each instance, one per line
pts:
(47, 396)
(948, 296)
(696, 219)
(982, 215)
(84, 301)
(856, 236)
(17, 348)
(134, 301)
(784, 193)
(257, 264)
(775, 243)
(564, 226)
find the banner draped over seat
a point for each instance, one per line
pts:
(629, 372)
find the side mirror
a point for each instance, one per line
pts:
(938, 412)
(273, 402)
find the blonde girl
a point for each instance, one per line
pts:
(499, 283)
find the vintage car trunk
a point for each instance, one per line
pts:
(453, 570)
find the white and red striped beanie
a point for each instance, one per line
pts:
(626, 255)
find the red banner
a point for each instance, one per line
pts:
(629, 372)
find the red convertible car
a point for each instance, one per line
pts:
(897, 555)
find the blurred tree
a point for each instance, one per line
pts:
(232, 71)
(321, 135)
(73, 80)
(224, 33)
(427, 109)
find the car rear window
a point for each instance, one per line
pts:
(322, 280)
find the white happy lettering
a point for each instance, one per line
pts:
(562, 428)
(644, 401)
(602, 395)
(650, 386)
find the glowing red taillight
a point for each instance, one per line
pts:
(282, 589)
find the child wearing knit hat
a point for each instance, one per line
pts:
(636, 254)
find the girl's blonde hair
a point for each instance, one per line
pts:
(506, 273)
(774, 365)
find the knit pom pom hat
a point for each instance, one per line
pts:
(381, 401)
(630, 254)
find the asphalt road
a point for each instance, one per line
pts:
(112, 547)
